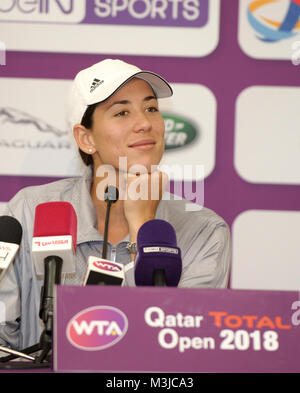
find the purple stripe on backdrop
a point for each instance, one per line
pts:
(227, 71)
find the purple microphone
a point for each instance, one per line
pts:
(158, 260)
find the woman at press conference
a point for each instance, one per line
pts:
(113, 112)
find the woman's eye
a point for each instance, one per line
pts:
(122, 113)
(152, 109)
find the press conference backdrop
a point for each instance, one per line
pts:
(235, 70)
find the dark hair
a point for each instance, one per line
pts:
(87, 122)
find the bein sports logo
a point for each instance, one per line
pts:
(271, 30)
(97, 328)
(179, 13)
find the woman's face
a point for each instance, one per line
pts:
(129, 125)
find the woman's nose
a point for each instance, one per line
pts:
(142, 123)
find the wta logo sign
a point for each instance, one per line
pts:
(179, 13)
(110, 267)
(97, 328)
(270, 29)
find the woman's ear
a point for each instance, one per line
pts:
(84, 139)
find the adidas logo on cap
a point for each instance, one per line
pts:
(95, 84)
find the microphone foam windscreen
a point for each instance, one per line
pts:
(55, 219)
(156, 232)
(10, 230)
(157, 249)
(111, 194)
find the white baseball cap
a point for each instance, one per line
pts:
(98, 82)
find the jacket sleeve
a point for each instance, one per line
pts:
(20, 288)
(10, 304)
(209, 258)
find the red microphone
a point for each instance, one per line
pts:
(53, 250)
(55, 233)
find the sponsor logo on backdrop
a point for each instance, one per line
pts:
(51, 11)
(20, 119)
(16, 116)
(34, 140)
(97, 328)
(179, 13)
(269, 29)
(179, 132)
(182, 13)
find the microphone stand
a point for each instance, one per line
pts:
(111, 196)
(105, 236)
(159, 278)
(53, 267)
(16, 353)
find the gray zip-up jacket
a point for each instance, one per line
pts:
(203, 237)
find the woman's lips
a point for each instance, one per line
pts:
(146, 144)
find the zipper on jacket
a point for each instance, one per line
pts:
(113, 253)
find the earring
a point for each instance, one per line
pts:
(90, 150)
